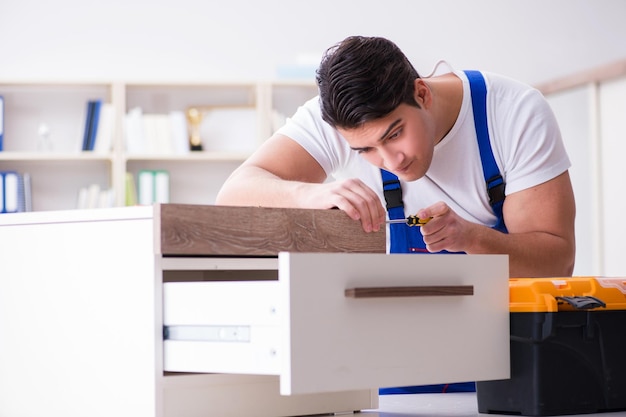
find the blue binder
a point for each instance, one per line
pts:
(10, 192)
(1, 122)
(91, 124)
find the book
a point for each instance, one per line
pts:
(14, 192)
(88, 122)
(92, 119)
(93, 196)
(145, 187)
(161, 187)
(28, 199)
(10, 192)
(131, 190)
(179, 132)
(105, 129)
(153, 187)
(157, 133)
(97, 106)
(134, 132)
(106, 198)
(1, 122)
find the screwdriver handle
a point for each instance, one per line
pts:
(416, 221)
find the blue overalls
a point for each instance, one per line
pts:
(405, 239)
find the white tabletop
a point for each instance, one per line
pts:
(440, 405)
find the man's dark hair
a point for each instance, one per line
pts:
(362, 79)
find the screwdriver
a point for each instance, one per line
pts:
(411, 221)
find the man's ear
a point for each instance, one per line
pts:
(422, 94)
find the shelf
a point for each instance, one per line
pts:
(60, 107)
(41, 156)
(192, 156)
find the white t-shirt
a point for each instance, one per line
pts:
(525, 140)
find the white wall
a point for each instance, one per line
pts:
(532, 40)
(612, 104)
(594, 130)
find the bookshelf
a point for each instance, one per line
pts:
(44, 123)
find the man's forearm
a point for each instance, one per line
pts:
(252, 186)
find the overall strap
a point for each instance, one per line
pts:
(493, 178)
(404, 239)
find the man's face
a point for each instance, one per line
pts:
(401, 142)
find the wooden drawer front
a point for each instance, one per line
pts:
(334, 331)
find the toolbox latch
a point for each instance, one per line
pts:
(582, 303)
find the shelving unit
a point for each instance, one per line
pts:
(58, 168)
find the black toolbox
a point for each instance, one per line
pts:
(568, 349)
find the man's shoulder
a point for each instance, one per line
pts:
(508, 96)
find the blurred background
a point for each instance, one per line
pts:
(532, 40)
(136, 53)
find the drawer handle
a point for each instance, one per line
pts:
(373, 292)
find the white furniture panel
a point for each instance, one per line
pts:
(228, 327)
(304, 328)
(335, 342)
(77, 314)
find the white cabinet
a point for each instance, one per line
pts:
(44, 124)
(85, 295)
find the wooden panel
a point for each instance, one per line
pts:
(424, 291)
(258, 231)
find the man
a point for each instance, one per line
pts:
(488, 169)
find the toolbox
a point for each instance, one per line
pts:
(568, 349)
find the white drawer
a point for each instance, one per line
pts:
(335, 322)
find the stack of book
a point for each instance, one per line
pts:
(156, 134)
(94, 196)
(15, 192)
(153, 187)
(220, 130)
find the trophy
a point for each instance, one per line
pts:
(194, 119)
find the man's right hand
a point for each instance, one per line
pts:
(358, 200)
